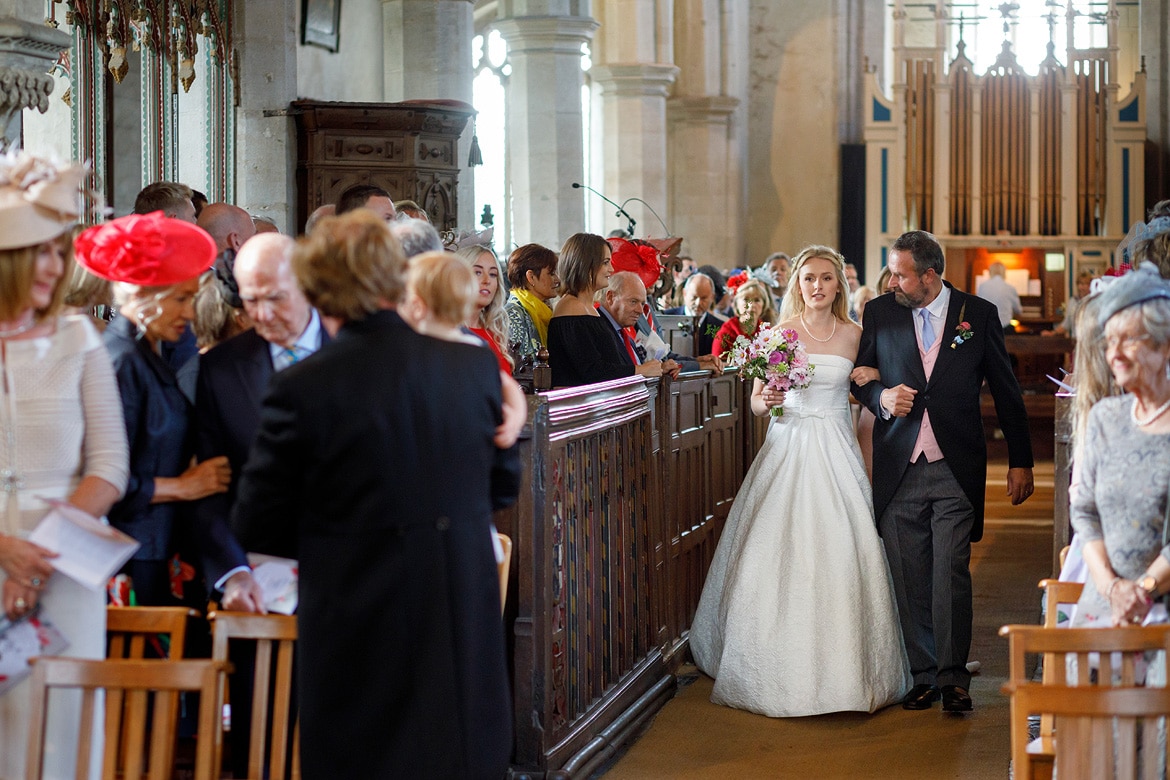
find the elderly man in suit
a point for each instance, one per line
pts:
(933, 347)
(233, 379)
(699, 301)
(375, 467)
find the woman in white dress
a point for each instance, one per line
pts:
(61, 437)
(797, 616)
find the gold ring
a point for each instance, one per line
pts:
(20, 604)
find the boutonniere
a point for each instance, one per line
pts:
(963, 328)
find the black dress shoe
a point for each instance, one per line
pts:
(956, 699)
(921, 697)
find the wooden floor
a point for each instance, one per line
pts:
(693, 738)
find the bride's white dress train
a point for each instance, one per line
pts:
(798, 616)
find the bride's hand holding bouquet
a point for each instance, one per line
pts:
(776, 357)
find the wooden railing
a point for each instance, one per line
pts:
(626, 488)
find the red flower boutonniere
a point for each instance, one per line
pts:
(965, 332)
(963, 328)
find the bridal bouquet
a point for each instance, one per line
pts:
(776, 357)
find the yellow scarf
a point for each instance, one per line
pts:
(537, 309)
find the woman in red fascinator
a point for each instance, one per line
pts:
(155, 263)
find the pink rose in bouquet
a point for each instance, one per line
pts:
(776, 357)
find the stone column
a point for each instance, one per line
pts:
(27, 51)
(545, 131)
(427, 56)
(634, 106)
(266, 47)
(705, 179)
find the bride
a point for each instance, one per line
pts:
(797, 616)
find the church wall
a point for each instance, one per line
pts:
(792, 197)
(354, 72)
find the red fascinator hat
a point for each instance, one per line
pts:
(150, 250)
(637, 257)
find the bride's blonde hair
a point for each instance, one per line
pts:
(793, 304)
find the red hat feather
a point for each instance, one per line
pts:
(637, 257)
(150, 250)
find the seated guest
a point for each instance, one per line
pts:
(374, 466)
(416, 236)
(753, 307)
(622, 305)
(487, 319)
(532, 273)
(698, 300)
(581, 347)
(155, 263)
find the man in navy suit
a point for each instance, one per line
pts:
(233, 379)
(934, 346)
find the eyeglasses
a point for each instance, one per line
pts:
(1125, 342)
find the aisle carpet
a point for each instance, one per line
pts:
(693, 738)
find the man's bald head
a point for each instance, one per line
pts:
(698, 294)
(229, 225)
(269, 289)
(625, 298)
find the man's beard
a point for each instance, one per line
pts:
(905, 300)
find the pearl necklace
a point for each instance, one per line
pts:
(1144, 421)
(814, 338)
(24, 327)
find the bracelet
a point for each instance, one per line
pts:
(1109, 590)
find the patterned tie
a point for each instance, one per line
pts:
(630, 347)
(291, 355)
(927, 331)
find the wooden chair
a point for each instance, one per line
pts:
(135, 680)
(1056, 592)
(1100, 728)
(129, 629)
(1058, 645)
(503, 567)
(267, 630)
(129, 632)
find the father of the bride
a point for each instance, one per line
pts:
(934, 346)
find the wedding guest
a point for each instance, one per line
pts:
(779, 264)
(416, 236)
(1067, 325)
(487, 319)
(622, 304)
(699, 301)
(440, 295)
(883, 282)
(87, 294)
(996, 289)
(155, 263)
(374, 466)
(61, 437)
(581, 347)
(753, 307)
(1119, 507)
(532, 274)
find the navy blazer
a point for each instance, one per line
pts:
(233, 380)
(157, 420)
(889, 343)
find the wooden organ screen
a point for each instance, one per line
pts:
(961, 113)
(1005, 152)
(920, 143)
(1091, 77)
(1048, 201)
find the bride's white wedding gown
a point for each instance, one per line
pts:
(797, 616)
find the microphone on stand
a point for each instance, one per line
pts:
(621, 212)
(652, 211)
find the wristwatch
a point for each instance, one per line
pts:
(1149, 584)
